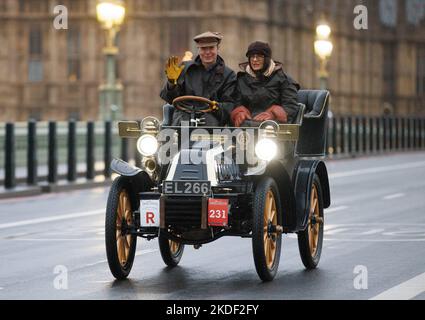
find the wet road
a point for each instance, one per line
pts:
(52, 246)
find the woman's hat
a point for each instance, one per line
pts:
(259, 47)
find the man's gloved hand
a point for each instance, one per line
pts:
(239, 115)
(173, 69)
(264, 116)
(278, 113)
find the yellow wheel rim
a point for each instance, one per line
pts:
(174, 247)
(124, 214)
(314, 221)
(270, 218)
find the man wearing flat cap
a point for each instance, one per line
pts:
(207, 76)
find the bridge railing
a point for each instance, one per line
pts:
(368, 135)
(45, 152)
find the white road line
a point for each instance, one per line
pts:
(410, 165)
(50, 219)
(57, 239)
(331, 210)
(404, 291)
(335, 231)
(138, 253)
(394, 196)
(373, 231)
(373, 240)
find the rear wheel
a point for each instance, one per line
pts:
(120, 244)
(310, 240)
(171, 251)
(266, 241)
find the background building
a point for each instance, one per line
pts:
(51, 74)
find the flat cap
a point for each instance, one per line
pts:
(208, 39)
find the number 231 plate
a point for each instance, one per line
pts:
(218, 212)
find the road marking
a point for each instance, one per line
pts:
(410, 165)
(404, 291)
(394, 196)
(373, 240)
(331, 210)
(138, 253)
(336, 231)
(50, 219)
(58, 239)
(373, 231)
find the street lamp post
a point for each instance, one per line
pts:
(110, 13)
(323, 48)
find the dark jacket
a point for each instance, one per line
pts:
(217, 83)
(258, 94)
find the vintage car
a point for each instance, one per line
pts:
(259, 181)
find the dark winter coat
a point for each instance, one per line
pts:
(215, 83)
(258, 94)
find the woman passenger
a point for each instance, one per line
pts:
(264, 91)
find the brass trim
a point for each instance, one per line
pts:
(129, 129)
(162, 211)
(288, 132)
(204, 212)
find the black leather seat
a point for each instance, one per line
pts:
(313, 131)
(314, 100)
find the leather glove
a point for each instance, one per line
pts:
(264, 116)
(239, 115)
(173, 69)
(279, 113)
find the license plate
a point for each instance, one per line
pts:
(218, 212)
(149, 213)
(187, 188)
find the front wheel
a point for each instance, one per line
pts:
(310, 240)
(266, 241)
(120, 244)
(171, 251)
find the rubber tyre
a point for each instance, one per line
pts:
(265, 185)
(170, 259)
(118, 270)
(311, 261)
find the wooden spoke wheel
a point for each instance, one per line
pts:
(266, 238)
(270, 219)
(310, 240)
(171, 251)
(120, 243)
(124, 219)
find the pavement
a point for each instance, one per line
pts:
(52, 246)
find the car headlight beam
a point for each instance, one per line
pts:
(147, 145)
(266, 149)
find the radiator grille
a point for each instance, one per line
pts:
(183, 211)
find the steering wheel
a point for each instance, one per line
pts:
(179, 104)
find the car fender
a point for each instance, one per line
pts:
(303, 179)
(139, 179)
(279, 173)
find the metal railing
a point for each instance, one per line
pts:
(368, 135)
(46, 152)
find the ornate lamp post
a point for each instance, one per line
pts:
(323, 48)
(110, 13)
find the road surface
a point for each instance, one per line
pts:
(52, 246)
